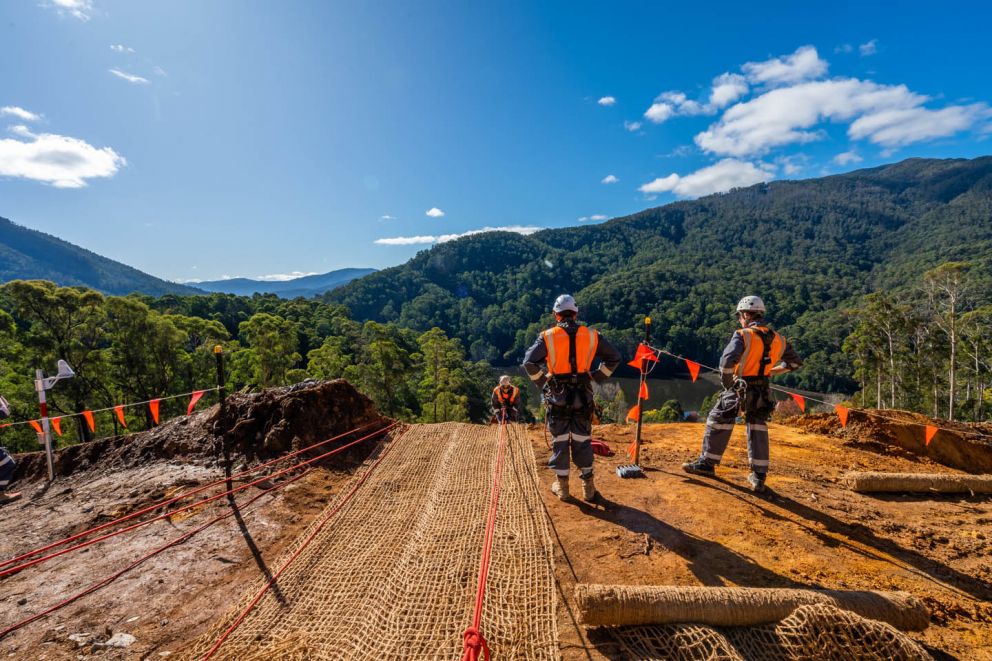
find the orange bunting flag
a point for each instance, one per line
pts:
(643, 394)
(36, 426)
(90, 422)
(644, 353)
(153, 407)
(57, 423)
(930, 433)
(193, 400)
(631, 449)
(119, 410)
(842, 412)
(633, 413)
(693, 369)
(800, 400)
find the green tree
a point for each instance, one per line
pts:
(272, 343)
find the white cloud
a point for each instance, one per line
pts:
(899, 127)
(610, 179)
(444, 238)
(434, 212)
(804, 64)
(21, 130)
(77, 8)
(159, 71)
(632, 126)
(58, 160)
(283, 277)
(121, 48)
(607, 101)
(844, 48)
(726, 89)
(783, 116)
(20, 113)
(659, 112)
(717, 178)
(847, 157)
(131, 78)
(387, 217)
(598, 217)
(869, 48)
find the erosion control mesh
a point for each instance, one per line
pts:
(812, 632)
(393, 574)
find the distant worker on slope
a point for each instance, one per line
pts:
(754, 354)
(505, 399)
(568, 350)
(7, 464)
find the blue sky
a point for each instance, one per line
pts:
(199, 139)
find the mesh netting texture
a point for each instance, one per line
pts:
(393, 574)
(817, 632)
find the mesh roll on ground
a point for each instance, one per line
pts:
(393, 574)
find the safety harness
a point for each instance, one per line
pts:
(568, 387)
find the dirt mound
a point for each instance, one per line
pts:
(965, 446)
(250, 427)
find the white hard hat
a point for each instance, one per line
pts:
(751, 304)
(504, 380)
(565, 303)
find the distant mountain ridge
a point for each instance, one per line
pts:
(27, 254)
(306, 286)
(811, 248)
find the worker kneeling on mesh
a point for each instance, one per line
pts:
(7, 463)
(754, 354)
(568, 352)
(505, 399)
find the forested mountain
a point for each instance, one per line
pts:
(306, 286)
(810, 248)
(28, 254)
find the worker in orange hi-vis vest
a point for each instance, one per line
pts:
(754, 355)
(7, 463)
(505, 399)
(560, 363)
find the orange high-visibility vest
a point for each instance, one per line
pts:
(754, 348)
(556, 340)
(507, 398)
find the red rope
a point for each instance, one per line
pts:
(44, 558)
(173, 499)
(476, 646)
(174, 542)
(306, 542)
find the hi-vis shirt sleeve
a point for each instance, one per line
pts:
(609, 360)
(731, 356)
(534, 361)
(790, 359)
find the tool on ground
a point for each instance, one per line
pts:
(634, 469)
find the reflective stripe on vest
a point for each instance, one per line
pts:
(754, 348)
(556, 340)
(507, 399)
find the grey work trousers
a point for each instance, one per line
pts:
(720, 424)
(571, 435)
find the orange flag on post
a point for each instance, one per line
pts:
(800, 400)
(90, 422)
(193, 400)
(643, 353)
(119, 411)
(36, 426)
(693, 369)
(153, 407)
(643, 394)
(57, 424)
(930, 433)
(633, 413)
(842, 412)
(631, 449)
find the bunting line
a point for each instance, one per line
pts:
(842, 411)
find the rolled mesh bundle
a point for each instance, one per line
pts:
(866, 482)
(620, 605)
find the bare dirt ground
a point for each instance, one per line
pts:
(807, 531)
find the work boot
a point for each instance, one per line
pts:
(588, 489)
(757, 482)
(699, 467)
(560, 488)
(9, 497)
